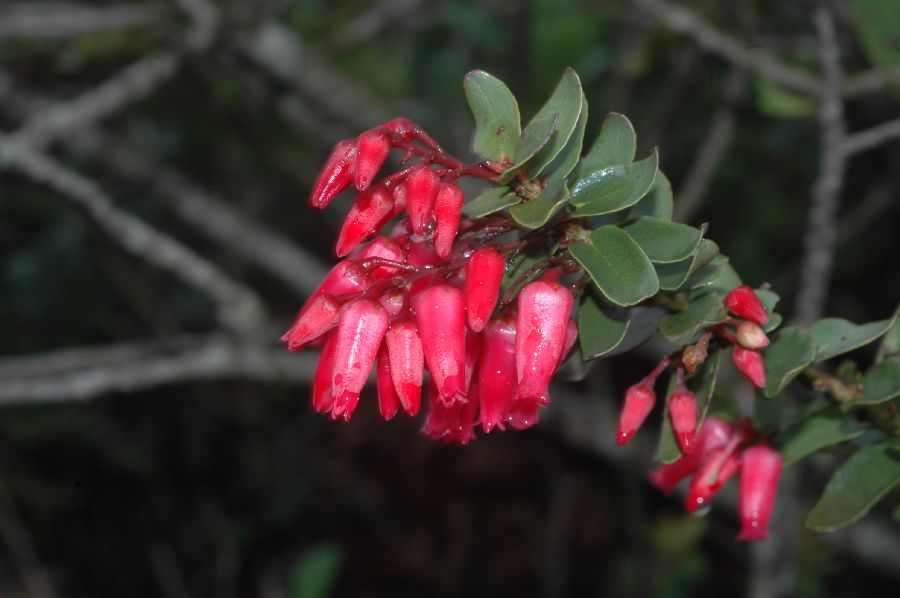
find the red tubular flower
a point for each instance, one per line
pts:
(716, 467)
(421, 190)
(484, 273)
(543, 316)
(751, 336)
(320, 317)
(743, 302)
(683, 414)
(322, 401)
(359, 333)
(407, 362)
(639, 401)
(335, 176)
(760, 470)
(387, 249)
(365, 218)
(453, 423)
(497, 372)
(713, 434)
(373, 148)
(346, 277)
(751, 364)
(440, 316)
(388, 401)
(522, 413)
(571, 338)
(447, 209)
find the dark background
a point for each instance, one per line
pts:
(185, 461)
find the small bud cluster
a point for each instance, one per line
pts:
(749, 336)
(425, 299)
(722, 450)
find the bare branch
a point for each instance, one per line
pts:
(239, 308)
(871, 81)
(821, 233)
(872, 137)
(204, 22)
(369, 23)
(45, 20)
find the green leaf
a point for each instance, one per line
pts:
(890, 344)
(658, 202)
(614, 188)
(315, 574)
(534, 137)
(615, 145)
(792, 350)
(769, 300)
(828, 427)
(492, 199)
(717, 275)
(667, 449)
(855, 487)
(563, 164)
(881, 383)
(536, 212)
(876, 27)
(708, 384)
(643, 322)
(673, 276)
(566, 102)
(664, 241)
(617, 265)
(496, 113)
(599, 331)
(684, 327)
(834, 336)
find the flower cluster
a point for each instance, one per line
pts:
(425, 298)
(722, 450)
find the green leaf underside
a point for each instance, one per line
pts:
(614, 188)
(708, 385)
(667, 449)
(855, 487)
(492, 199)
(881, 383)
(599, 331)
(496, 113)
(792, 350)
(615, 145)
(536, 212)
(717, 275)
(834, 336)
(684, 327)
(673, 276)
(534, 137)
(568, 158)
(644, 321)
(662, 240)
(617, 265)
(565, 101)
(825, 428)
(658, 202)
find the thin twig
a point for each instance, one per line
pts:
(871, 137)
(47, 20)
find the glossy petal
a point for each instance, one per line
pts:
(713, 434)
(440, 317)
(751, 364)
(407, 363)
(542, 320)
(335, 176)
(497, 372)
(388, 401)
(760, 472)
(484, 273)
(639, 401)
(683, 414)
(322, 401)
(365, 218)
(447, 209)
(372, 150)
(421, 190)
(359, 334)
(382, 247)
(320, 317)
(743, 302)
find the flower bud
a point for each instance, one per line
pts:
(421, 190)
(760, 471)
(387, 249)
(322, 401)
(751, 336)
(365, 218)
(447, 210)
(335, 176)
(683, 414)
(359, 333)
(751, 364)
(407, 363)
(743, 302)
(484, 273)
(497, 372)
(373, 148)
(388, 401)
(320, 317)
(639, 401)
(541, 323)
(440, 317)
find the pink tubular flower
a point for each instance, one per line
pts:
(497, 372)
(346, 277)
(359, 333)
(639, 401)
(760, 470)
(743, 302)
(373, 148)
(571, 338)
(716, 467)
(683, 414)
(365, 218)
(440, 317)
(751, 364)
(335, 176)
(322, 401)
(713, 434)
(751, 336)
(320, 317)
(543, 316)
(447, 209)
(421, 190)
(388, 401)
(388, 249)
(453, 423)
(407, 362)
(484, 273)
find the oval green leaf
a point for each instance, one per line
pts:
(855, 487)
(492, 199)
(617, 265)
(496, 113)
(536, 212)
(792, 350)
(825, 428)
(881, 383)
(834, 336)
(658, 202)
(600, 332)
(673, 276)
(615, 145)
(566, 102)
(614, 188)
(664, 241)
(684, 327)
(563, 164)
(534, 137)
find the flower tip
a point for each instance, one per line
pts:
(685, 442)
(623, 436)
